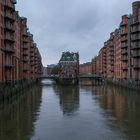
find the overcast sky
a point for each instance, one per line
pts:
(72, 25)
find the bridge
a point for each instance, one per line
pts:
(83, 79)
(49, 76)
(87, 76)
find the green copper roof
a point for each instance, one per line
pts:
(14, 1)
(24, 18)
(67, 56)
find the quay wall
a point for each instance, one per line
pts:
(8, 91)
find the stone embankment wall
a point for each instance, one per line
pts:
(9, 91)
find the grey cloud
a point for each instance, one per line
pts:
(74, 25)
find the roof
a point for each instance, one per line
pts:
(68, 56)
(14, 1)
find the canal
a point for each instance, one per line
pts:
(84, 112)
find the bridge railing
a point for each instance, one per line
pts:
(49, 76)
(80, 76)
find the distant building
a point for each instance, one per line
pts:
(44, 71)
(50, 68)
(69, 66)
(85, 68)
(94, 66)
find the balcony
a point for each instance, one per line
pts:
(25, 68)
(112, 64)
(8, 65)
(124, 45)
(25, 47)
(25, 40)
(25, 53)
(136, 54)
(111, 43)
(135, 46)
(123, 24)
(9, 39)
(111, 54)
(32, 64)
(31, 60)
(32, 52)
(9, 16)
(124, 52)
(135, 23)
(124, 39)
(25, 59)
(124, 58)
(25, 33)
(10, 27)
(135, 29)
(9, 5)
(125, 69)
(135, 37)
(136, 66)
(123, 33)
(111, 50)
(9, 49)
(35, 59)
(32, 57)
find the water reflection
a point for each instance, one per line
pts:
(47, 82)
(121, 107)
(17, 119)
(87, 82)
(53, 112)
(68, 99)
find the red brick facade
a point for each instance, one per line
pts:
(135, 41)
(117, 56)
(94, 66)
(85, 68)
(119, 59)
(19, 56)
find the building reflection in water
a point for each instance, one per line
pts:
(17, 119)
(121, 107)
(69, 99)
(87, 82)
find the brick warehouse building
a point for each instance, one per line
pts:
(19, 55)
(119, 59)
(85, 68)
(117, 55)
(135, 41)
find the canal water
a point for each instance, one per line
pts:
(84, 112)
